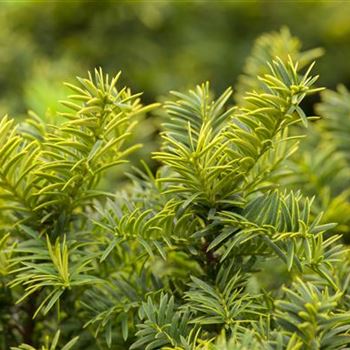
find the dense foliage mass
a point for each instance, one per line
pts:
(231, 244)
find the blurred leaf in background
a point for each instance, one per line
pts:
(161, 45)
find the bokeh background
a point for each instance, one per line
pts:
(158, 45)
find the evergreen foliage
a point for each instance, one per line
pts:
(221, 249)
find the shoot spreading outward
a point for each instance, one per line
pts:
(229, 245)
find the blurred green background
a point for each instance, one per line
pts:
(159, 45)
